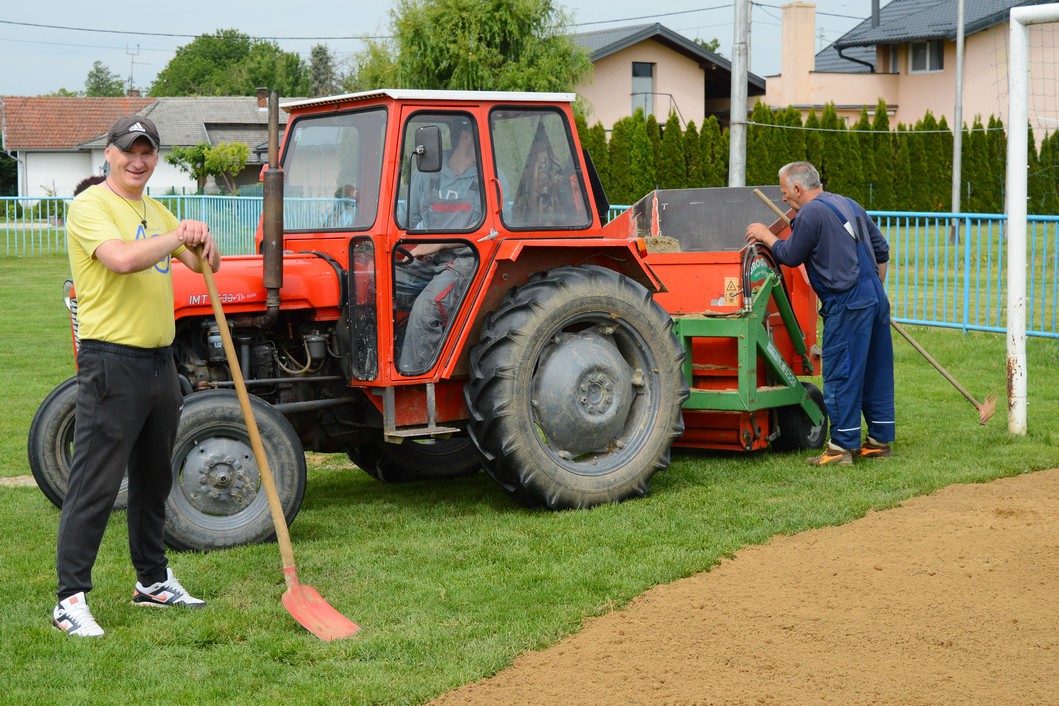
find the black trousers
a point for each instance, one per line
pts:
(128, 408)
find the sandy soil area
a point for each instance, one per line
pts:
(951, 598)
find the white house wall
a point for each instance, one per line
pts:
(51, 173)
(57, 173)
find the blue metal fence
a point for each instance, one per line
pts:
(945, 270)
(35, 226)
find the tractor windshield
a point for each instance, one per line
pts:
(332, 171)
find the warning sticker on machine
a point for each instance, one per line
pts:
(732, 291)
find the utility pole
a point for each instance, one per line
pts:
(957, 123)
(737, 117)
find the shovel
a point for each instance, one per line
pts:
(303, 602)
(986, 409)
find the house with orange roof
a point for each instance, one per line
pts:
(59, 140)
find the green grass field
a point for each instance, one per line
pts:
(449, 580)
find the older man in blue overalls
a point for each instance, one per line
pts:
(845, 256)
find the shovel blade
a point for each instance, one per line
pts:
(316, 615)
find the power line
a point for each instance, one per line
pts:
(170, 34)
(75, 46)
(651, 17)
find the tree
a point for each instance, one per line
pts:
(230, 63)
(8, 172)
(693, 156)
(654, 137)
(103, 83)
(883, 148)
(191, 161)
(903, 195)
(863, 142)
(323, 77)
(710, 45)
(672, 164)
(998, 152)
(226, 160)
(977, 175)
(814, 140)
(595, 143)
(642, 155)
(759, 150)
(919, 153)
(796, 136)
(469, 45)
(632, 169)
(714, 153)
(619, 186)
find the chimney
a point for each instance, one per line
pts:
(874, 13)
(262, 98)
(797, 50)
(133, 93)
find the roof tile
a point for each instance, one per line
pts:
(62, 122)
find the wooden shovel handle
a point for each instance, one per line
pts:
(278, 519)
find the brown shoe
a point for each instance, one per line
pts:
(875, 449)
(832, 454)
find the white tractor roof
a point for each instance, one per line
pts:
(417, 94)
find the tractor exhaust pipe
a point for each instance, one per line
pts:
(272, 220)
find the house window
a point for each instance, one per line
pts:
(891, 59)
(643, 87)
(926, 56)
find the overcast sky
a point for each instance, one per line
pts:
(53, 45)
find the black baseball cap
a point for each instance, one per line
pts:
(128, 129)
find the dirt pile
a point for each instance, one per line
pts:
(951, 598)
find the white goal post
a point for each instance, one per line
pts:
(1018, 117)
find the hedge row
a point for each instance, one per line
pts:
(906, 169)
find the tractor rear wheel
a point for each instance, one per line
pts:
(218, 499)
(51, 442)
(417, 459)
(576, 389)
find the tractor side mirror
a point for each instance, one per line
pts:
(428, 149)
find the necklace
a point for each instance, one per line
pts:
(143, 218)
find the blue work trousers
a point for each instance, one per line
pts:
(858, 363)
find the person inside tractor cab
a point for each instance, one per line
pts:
(344, 211)
(431, 278)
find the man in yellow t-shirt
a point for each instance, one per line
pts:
(121, 245)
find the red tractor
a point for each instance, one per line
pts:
(436, 291)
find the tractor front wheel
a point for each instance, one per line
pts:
(576, 389)
(218, 498)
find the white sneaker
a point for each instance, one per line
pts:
(73, 617)
(165, 593)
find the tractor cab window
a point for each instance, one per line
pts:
(332, 171)
(542, 184)
(450, 199)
